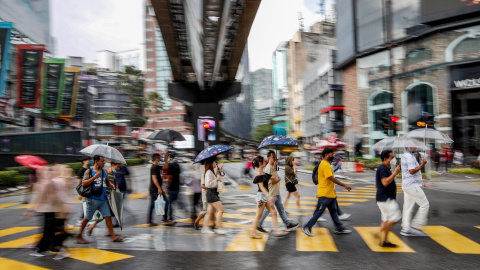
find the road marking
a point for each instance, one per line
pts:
(355, 196)
(294, 206)
(20, 242)
(147, 225)
(351, 200)
(15, 230)
(11, 264)
(322, 241)
(243, 188)
(96, 256)
(241, 216)
(135, 196)
(5, 205)
(25, 206)
(224, 223)
(474, 183)
(478, 227)
(452, 240)
(243, 242)
(367, 233)
(306, 184)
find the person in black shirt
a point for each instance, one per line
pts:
(386, 197)
(173, 184)
(155, 188)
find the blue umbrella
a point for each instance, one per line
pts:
(277, 140)
(212, 151)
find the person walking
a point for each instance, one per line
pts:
(412, 185)
(155, 190)
(386, 197)
(211, 182)
(97, 177)
(85, 163)
(458, 158)
(201, 173)
(264, 198)
(173, 184)
(124, 180)
(274, 191)
(327, 198)
(291, 164)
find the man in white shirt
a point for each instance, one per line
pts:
(412, 185)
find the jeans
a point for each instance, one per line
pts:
(280, 210)
(322, 204)
(153, 198)
(173, 197)
(410, 197)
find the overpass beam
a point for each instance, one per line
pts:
(190, 93)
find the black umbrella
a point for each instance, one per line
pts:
(166, 135)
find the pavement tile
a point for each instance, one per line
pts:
(367, 234)
(12, 264)
(321, 241)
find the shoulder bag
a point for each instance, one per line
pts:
(295, 181)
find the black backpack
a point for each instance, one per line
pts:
(315, 174)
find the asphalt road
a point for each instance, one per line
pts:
(454, 229)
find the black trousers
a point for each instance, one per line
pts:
(54, 233)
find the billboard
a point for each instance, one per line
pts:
(436, 10)
(206, 129)
(5, 29)
(30, 17)
(29, 65)
(52, 85)
(70, 91)
(81, 99)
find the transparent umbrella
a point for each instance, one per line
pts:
(105, 151)
(400, 143)
(429, 134)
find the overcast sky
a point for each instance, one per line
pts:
(83, 27)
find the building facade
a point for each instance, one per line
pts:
(419, 67)
(263, 103)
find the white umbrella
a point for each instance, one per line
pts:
(399, 142)
(105, 151)
(429, 134)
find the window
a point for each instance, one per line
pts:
(148, 39)
(382, 98)
(418, 55)
(178, 107)
(370, 25)
(380, 105)
(149, 60)
(468, 46)
(420, 103)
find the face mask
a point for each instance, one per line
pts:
(393, 163)
(90, 163)
(114, 171)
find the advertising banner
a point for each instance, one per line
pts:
(29, 65)
(7, 110)
(52, 85)
(5, 29)
(80, 100)
(70, 91)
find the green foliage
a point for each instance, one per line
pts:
(11, 178)
(156, 102)
(262, 131)
(75, 166)
(108, 116)
(132, 82)
(136, 161)
(466, 170)
(21, 169)
(229, 161)
(369, 164)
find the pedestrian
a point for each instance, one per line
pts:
(436, 159)
(247, 168)
(412, 185)
(196, 184)
(124, 180)
(327, 198)
(386, 197)
(274, 191)
(97, 177)
(458, 158)
(85, 164)
(196, 224)
(448, 157)
(212, 180)
(264, 198)
(291, 164)
(173, 184)
(337, 162)
(155, 190)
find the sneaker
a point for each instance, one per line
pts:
(406, 233)
(37, 254)
(307, 231)
(207, 231)
(321, 219)
(417, 232)
(390, 245)
(221, 231)
(343, 231)
(292, 226)
(344, 216)
(62, 254)
(260, 229)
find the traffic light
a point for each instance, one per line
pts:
(206, 127)
(385, 124)
(393, 124)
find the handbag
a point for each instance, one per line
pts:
(87, 190)
(294, 182)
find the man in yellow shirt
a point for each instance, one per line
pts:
(327, 198)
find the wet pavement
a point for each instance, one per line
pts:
(454, 232)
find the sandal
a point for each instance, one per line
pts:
(256, 236)
(119, 239)
(81, 241)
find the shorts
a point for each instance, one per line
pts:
(290, 187)
(212, 195)
(261, 197)
(94, 205)
(204, 202)
(390, 210)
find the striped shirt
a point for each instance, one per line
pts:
(409, 162)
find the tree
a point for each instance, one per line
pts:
(262, 131)
(156, 102)
(131, 81)
(108, 116)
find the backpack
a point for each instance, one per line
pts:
(315, 174)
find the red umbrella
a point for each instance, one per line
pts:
(32, 162)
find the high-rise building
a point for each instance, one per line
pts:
(279, 78)
(263, 104)
(157, 76)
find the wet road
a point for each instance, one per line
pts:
(454, 229)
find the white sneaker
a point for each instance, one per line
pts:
(37, 254)
(221, 231)
(62, 254)
(207, 231)
(322, 219)
(417, 232)
(344, 216)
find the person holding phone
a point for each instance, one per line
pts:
(213, 199)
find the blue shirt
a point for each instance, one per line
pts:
(409, 162)
(97, 183)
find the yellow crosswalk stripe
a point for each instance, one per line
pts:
(306, 184)
(5, 205)
(474, 183)
(135, 196)
(96, 256)
(240, 216)
(243, 188)
(478, 227)
(338, 199)
(367, 233)
(11, 264)
(355, 196)
(15, 230)
(243, 242)
(321, 241)
(254, 210)
(294, 206)
(22, 241)
(25, 206)
(452, 240)
(226, 224)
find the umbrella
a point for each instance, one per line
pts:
(105, 151)
(277, 140)
(32, 162)
(212, 151)
(115, 199)
(399, 142)
(429, 134)
(166, 135)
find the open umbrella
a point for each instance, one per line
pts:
(212, 151)
(32, 162)
(105, 151)
(429, 134)
(115, 199)
(399, 142)
(277, 140)
(166, 135)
